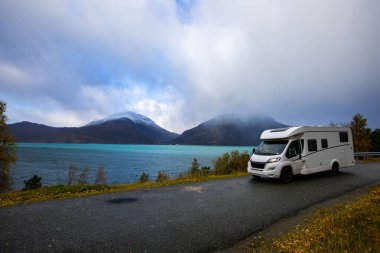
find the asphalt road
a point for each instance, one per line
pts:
(200, 217)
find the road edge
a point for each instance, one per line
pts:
(288, 223)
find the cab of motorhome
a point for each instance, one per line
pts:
(286, 152)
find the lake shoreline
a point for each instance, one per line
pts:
(123, 162)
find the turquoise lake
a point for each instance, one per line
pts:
(124, 163)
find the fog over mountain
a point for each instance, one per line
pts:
(229, 129)
(135, 117)
(181, 62)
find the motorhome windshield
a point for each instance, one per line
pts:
(274, 147)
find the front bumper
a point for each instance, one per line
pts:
(269, 170)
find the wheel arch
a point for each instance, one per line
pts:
(287, 165)
(334, 161)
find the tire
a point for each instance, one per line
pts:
(335, 169)
(286, 175)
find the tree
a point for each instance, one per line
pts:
(375, 140)
(72, 178)
(360, 133)
(101, 176)
(194, 169)
(7, 150)
(82, 180)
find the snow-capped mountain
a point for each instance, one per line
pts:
(135, 117)
(126, 127)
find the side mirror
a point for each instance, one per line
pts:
(300, 156)
(253, 150)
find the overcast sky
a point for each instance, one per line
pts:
(66, 63)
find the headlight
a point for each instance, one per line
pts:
(274, 160)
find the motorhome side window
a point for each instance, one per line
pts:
(293, 149)
(324, 143)
(343, 136)
(312, 145)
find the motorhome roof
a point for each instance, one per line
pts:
(285, 133)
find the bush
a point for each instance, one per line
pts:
(162, 176)
(101, 176)
(144, 177)
(222, 164)
(205, 171)
(32, 183)
(231, 162)
(74, 179)
(194, 169)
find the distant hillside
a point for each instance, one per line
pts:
(228, 129)
(109, 130)
(133, 128)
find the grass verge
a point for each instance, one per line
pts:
(66, 191)
(369, 160)
(350, 227)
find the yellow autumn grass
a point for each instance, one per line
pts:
(350, 227)
(373, 159)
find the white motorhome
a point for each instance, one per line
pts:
(286, 152)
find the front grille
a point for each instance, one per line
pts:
(257, 165)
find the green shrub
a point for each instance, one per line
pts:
(231, 162)
(222, 164)
(242, 161)
(32, 183)
(144, 177)
(205, 171)
(194, 169)
(162, 176)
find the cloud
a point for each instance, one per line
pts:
(183, 62)
(13, 76)
(295, 62)
(164, 106)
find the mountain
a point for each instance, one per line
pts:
(133, 128)
(122, 128)
(135, 117)
(228, 129)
